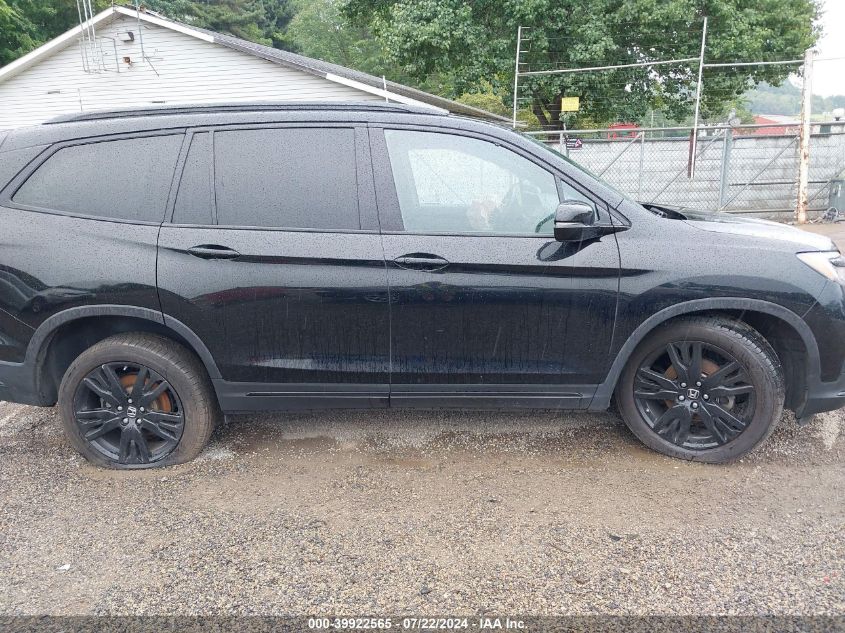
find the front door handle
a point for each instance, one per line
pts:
(213, 251)
(421, 261)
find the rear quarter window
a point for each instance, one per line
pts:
(125, 179)
(13, 161)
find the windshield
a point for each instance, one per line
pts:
(580, 168)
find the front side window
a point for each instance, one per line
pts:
(126, 179)
(302, 178)
(448, 183)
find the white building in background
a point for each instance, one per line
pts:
(122, 58)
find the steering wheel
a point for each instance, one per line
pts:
(515, 210)
(537, 229)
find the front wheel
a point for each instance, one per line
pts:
(137, 401)
(702, 388)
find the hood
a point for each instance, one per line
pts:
(728, 223)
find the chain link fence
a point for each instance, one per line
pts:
(715, 162)
(739, 169)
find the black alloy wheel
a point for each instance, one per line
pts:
(695, 395)
(137, 400)
(706, 388)
(128, 413)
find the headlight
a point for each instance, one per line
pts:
(831, 264)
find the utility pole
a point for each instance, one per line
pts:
(694, 142)
(804, 139)
(516, 74)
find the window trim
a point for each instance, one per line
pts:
(10, 191)
(390, 214)
(368, 218)
(179, 173)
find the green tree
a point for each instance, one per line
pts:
(261, 21)
(319, 30)
(786, 100)
(27, 24)
(17, 34)
(473, 41)
(487, 99)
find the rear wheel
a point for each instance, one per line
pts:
(702, 388)
(137, 401)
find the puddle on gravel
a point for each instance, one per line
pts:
(563, 439)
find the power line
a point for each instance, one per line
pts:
(592, 68)
(773, 63)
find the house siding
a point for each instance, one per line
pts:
(181, 69)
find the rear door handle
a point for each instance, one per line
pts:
(421, 261)
(213, 251)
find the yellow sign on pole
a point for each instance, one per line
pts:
(569, 104)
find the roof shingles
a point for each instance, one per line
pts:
(322, 69)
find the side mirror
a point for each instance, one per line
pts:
(574, 221)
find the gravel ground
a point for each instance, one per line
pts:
(532, 513)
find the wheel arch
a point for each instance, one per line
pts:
(51, 349)
(802, 366)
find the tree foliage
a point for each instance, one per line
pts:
(16, 34)
(261, 21)
(319, 30)
(475, 40)
(486, 98)
(27, 24)
(465, 48)
(786, 100)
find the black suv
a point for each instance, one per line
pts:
(161, 267)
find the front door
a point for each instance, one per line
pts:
(486, 307)
(273, 258)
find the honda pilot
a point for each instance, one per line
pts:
(161, 268)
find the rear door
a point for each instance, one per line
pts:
(273, 258)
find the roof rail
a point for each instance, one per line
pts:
(99, 115)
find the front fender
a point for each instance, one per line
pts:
(601, 399)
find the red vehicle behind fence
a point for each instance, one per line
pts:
(622, 130)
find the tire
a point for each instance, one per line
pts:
(733, 405)
(172, 428)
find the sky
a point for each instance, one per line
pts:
(829, 76)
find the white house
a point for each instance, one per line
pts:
(126, 58)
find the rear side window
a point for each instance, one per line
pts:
(287, 178)
(127, 179)
(195, 200)
(12, 162)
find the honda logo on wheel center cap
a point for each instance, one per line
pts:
(691, 393)
(132, 411)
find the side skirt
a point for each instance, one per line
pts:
(248, 397)
(492, 396)
(252, 397)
